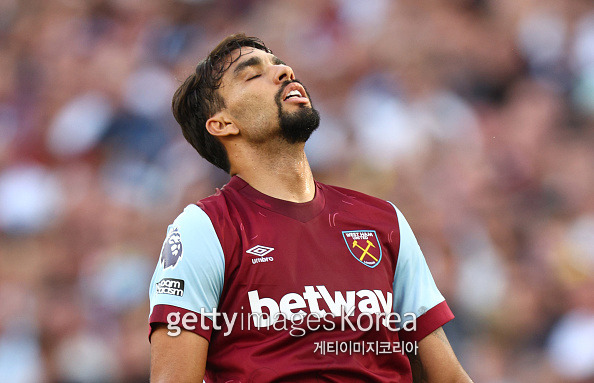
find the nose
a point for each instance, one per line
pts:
(283, 73)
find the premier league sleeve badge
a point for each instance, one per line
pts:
(172, 249)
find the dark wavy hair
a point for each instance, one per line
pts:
(198, 99)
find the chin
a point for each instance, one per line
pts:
(299, 125)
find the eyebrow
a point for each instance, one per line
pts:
(254, 61)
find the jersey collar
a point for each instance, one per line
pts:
(299, 211)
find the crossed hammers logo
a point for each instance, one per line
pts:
(365, 250)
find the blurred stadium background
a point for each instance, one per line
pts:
(475, 117)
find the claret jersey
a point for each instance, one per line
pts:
(332, 290)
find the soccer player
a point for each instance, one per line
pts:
(277, 277)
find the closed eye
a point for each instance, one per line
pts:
(253, 77)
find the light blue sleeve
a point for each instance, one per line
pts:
(414, 288)
(191, 268)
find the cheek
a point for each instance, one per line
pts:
(254, 108)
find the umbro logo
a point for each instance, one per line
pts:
(261, 252)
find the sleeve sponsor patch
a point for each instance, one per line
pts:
(172, 249)
(171, 286)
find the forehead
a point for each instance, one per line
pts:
(244, 54)
(239, 55)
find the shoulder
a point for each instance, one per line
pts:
(192, 222)
(207, 218)
(218, 207)
(357, 197)
(222, 209)
(191, 216)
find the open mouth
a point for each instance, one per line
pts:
(294, 92)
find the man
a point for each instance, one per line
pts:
(277, 277)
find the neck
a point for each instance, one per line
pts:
(282, 173)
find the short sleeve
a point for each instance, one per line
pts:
(414, 289)
(190, 272)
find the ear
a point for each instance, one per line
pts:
(220, 125)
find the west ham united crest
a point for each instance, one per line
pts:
(172, 249)
(364, 246)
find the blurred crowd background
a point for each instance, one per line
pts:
(474, 116)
